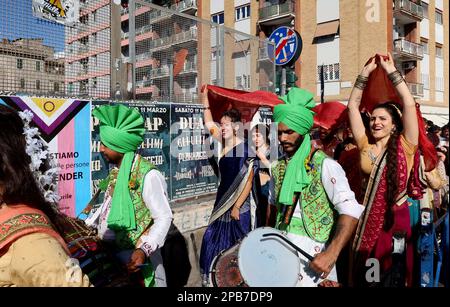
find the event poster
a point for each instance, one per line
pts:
(64, 127)
(174, 142)
(192, 173)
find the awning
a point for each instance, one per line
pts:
(327, 28)
(439, 120)
(438, 115)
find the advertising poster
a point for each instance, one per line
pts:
(192, 173)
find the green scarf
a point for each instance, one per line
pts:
(122, 130)
(296, 113)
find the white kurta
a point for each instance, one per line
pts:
(342, 197)
(156, 200)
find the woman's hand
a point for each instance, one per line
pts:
(367, 70)
(388, 64)
(204, 96)
(235, 213)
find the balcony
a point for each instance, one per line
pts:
(186, 6)
(168, 41)
(83, 49)
(416, 89)
(406, 11)
(143, 83)
(277, 13)
(157, 16)
(160, 72)
(124, 11)
(144, 29)
(189, 67)
(83, 71)
(405, 50)
(143, 56)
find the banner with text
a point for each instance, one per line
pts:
(64, 128)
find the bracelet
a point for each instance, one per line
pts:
(395, 77)
(361, 82)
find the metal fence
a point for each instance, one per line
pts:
(132, 51)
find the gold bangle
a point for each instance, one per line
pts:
(395, 77)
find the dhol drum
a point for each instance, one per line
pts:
(262, 259)
(95, 258)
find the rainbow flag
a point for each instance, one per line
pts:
(65, 127)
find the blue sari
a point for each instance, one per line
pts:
(223, 232)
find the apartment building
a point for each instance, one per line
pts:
(100, 49)
(29, 66)
(343, 35)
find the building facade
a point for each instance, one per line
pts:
(343, 35)
(28, 66)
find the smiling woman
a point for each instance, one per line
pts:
(388, 151)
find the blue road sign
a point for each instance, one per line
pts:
(288, 45)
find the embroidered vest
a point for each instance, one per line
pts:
(20, 220)
(128, 239)
(318, 213)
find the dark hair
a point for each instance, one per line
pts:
(233, 114)
(17, 182)
(264, 130)
(391, 175)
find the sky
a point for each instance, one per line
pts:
(17, 21)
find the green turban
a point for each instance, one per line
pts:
(297, 114)
(122, 130)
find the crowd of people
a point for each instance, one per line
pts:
(343, 193)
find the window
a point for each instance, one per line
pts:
(56, 87)
(94, 60)
(425, 47)
(425, 80)
(70, 87)
(439, 52)
(331, 72)
(218, 18)
(242, 12)
(94, 82)
(425, 9)
(38, 84)
(94, 16)
(22, 83)
(38, 66)
(19, 63)
(438, 17)
(94, 38)
(439, 84)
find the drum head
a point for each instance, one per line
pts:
(268, 261)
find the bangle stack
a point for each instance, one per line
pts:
(395, 77)
(361, 82)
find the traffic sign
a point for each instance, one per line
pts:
(287, 45)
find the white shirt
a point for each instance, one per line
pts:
(156, 200)
(336, 187)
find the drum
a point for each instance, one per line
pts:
(96, 259)
(224, 270)
(261, 259)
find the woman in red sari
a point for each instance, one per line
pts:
(387, 156)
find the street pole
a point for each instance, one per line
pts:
(283, 82)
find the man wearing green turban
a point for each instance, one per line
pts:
(310, 191)
(135, 215)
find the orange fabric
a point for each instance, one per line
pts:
(367, 164)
